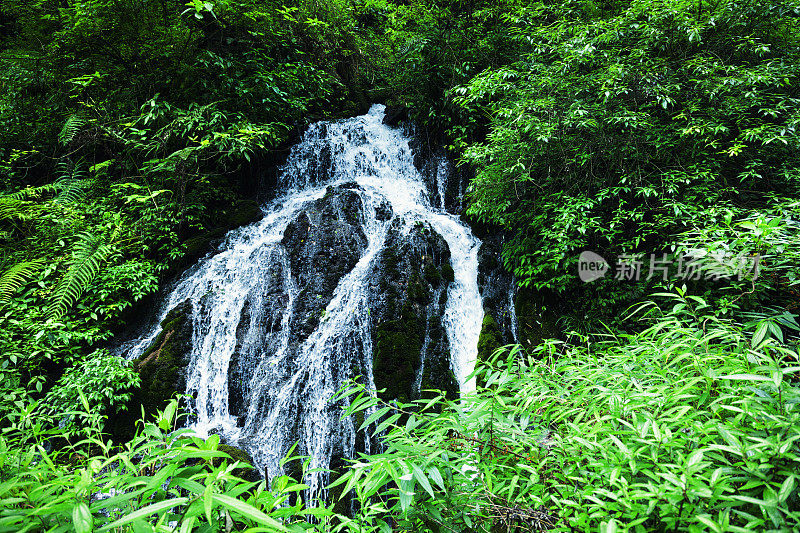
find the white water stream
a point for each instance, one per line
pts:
(289, 386)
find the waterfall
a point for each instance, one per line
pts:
(266, 356)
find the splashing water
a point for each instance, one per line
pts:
(243, 300)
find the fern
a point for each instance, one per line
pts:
(12, 208)
(88, 255)
(72, 184)
(16, 277)
(71, 128)
(31, 193)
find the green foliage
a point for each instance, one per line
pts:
(72, 126)
(88, 254)
(15, 277)
(690, 425)
(622, 125)
(163, 480)
(105, 382)
(129, 134)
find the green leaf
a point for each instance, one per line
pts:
(746, 377)
(249, 511)
(422, 479)
(82, 518)
(760, 333)
(145, 511)
(786, 488)
(374, 416)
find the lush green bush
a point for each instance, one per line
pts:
(621, 126)
(691, 425)
(163, 480)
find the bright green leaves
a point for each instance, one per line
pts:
(681, 427)
(82, 518)
(162, 479)
(16, 276)
(646, 96)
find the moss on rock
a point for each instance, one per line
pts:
(448, 274)
(397, 352)
(162, 366)
(432, 274)
(490, 339)
(534, 324)
(245, 212)
(162, 369)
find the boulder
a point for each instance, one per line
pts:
(395, 114)
(410, 348)
(324, 243)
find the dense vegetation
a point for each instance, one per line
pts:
(135, 132)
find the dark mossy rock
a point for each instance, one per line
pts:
(490, 339)
(383, 212)
(410, 348)
(432, 274)
(448, 274)
(324, 243)
(396, 357)
(247, 471)
(200, 245)
(242, 213)
(535, 325)
(497, 289)
(437, 373)
(162, 367)
(395, 114)
(245, 212)
(162, 370)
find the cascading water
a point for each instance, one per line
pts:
(263, 368)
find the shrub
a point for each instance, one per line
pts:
(692, 424)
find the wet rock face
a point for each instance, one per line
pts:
(395, 115)
(162, 366)
(496, 286)
(162, 370)
(410, 350)
(320, 246)
(324, 243)
(244, 212)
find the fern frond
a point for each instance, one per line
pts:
(16, 277)
(12, 208)
(70, 186)
(71, 191)
(29, 193)
(88, 255)
(69, 171)
(72, 126)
